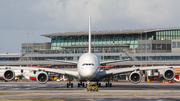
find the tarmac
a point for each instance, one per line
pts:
(120, 91)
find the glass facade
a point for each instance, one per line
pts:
(25, 49)
(118, 41)
(84, 50)
(29, 49)
(167, 35)
(143, 46)
(9, 58)
(104, 58)
(58, 42)
(176, 44)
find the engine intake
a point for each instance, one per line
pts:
(7, 75)
(42, 77)
(169, 74)
(135, 77)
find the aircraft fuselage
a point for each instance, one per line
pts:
(88, 67)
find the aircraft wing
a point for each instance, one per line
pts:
(65, 72)
(59, 71)
(125, 70)
(104, 62)
(72, 62)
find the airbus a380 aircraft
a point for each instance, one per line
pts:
(88, 70)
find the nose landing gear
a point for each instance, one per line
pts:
(81, 84)
(108, 84)
(98, 84)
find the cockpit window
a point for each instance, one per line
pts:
(92, 64)
(88, 64)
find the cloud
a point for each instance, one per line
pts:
(147, 12)
(70, 14)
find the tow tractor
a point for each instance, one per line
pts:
(92, 87)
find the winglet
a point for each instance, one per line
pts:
(89, 47)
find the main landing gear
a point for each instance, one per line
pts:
(70, 84)
(108, 84)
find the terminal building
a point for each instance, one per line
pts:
(145, 47)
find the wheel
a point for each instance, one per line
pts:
(91, 89)
(99, 85)
(71, 85)
(78, 84)
(96, 89)
(83, 84)
(106, 85)
(110, 85)
(67, 85)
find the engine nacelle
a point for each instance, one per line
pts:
(42, 77)
(169, 74)
(7, 74)
(135, 77)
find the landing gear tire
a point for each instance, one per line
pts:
(106, 85)
(110, 85)
(78, 84)
(99, 85)
(83, 84)
(71, 85)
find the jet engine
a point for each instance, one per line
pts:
(42, 77)
(169, 74)
(7, 74)
(135, 77)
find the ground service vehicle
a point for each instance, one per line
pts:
(92, 87)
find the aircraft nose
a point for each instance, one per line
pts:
(87, 72)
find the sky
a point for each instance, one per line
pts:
(19, 17)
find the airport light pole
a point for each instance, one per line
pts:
(20, 51)
(27, 49)
(32, 49)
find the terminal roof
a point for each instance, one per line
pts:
(139, 31)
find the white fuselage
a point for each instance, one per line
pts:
(88, 67)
